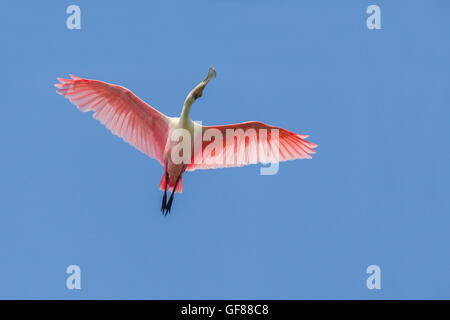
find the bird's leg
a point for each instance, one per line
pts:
(164, 199)
(169, 204)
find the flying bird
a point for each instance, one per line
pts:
(150, 131)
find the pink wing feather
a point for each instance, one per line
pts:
(254, 150)
(121, 111)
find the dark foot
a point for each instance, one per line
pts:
(169, 204)
(164, 199)
(164, 203)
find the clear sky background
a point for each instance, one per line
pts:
(377, 191)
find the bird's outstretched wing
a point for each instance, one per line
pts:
(121, 111)
(249, 143)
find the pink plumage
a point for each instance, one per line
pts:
(255, 148)
(121, 111)
(149, 131)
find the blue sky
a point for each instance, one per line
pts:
(377, 191)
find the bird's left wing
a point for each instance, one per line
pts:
(247, 143)
(121, 111)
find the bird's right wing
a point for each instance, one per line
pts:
(121, 111)
(249, 143)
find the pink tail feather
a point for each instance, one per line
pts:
(170, 185)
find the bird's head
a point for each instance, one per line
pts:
(198, 90)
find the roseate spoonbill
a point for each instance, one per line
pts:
(150, 131)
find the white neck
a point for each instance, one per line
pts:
(186, 108)
(195, 94)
